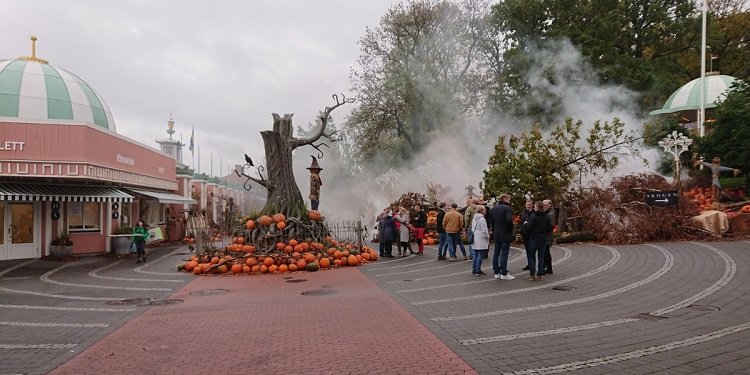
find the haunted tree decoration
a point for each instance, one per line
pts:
(283, 193)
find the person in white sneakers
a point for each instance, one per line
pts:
(501, 222)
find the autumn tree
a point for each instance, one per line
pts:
(548, 165)
(418, 72)
(728, 135)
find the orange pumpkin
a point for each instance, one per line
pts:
(313, 215)
(301, 264)
(325, 262)
(309, 258)
(292, 267)
(281, 225)
(280, 246)
(246, 269)
(283, 268)
(745, 209)
(189, 266)
(277, 218)
(236, 268)
(268, 262)
(255, 268)
(250, 224)
(352, 260)
(265, 220)
(251, 261)
(273, 268)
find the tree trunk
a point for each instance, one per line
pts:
(283, 194)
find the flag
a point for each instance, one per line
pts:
(192, 143)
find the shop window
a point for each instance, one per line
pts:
(155, 213)
(84, 216)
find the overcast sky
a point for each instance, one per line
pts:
(220, 66)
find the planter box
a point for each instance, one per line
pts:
(121, 245)
(60, 251)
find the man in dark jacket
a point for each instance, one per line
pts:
(443, 245)
(550, 211)
(419, 222)
(524, 224)
(501, 222)
(390, 233)
(538, 227)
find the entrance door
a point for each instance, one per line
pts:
(18, 231)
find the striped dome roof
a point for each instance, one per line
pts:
(32, 90)
(688, 97)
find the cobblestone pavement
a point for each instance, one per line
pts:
(665, 308)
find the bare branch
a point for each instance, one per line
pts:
(320, 152)
(294, 143)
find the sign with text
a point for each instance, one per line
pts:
(662, 198)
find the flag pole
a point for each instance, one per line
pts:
(702, 113)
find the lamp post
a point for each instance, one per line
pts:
(675, 144)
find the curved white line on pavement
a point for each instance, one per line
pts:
(45, 278)
(730, 270)
(594, 362)
(436, 267)
(167, 255)
(615, 258)
(37, 346)
(668, 263)
(403, 265)
(17, 266)
(66, 325)
(95, 274)
(31, 307)
(485, 340)
(566, 256)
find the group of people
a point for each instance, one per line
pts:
(482, 226)
(396, 227)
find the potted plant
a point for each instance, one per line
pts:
(62, 246)
(121, 240)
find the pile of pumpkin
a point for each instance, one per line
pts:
(702, 197)
(343, 255)
(431, 237)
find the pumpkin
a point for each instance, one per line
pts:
(281, 225)
(277, 218)
(222, 268)
(197, 270)
(215, 260)
(352, 260)
(280, 246)
(312, 267)
(314, 215)
(251, 261)
(190, 266)
(745, 209)
(309, 257)
(255, 268)
(273, 268)
(366, 256)
(325, 262)
(301, 264)
(264, 269)
(283, 268)
(337, 263)
(246, 269)
(288, 249)
(265, 220)
(250, 224)
(236, 268)
(268, 262)
(292, 267)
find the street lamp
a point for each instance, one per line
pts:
(675, 144)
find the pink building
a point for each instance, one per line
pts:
(64, 168)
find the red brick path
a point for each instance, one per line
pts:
(263, 325)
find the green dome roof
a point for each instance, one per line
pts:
(688, 97)
(32, 90)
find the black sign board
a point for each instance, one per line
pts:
(662, 198)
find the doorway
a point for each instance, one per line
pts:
(18, 231)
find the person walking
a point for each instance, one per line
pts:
(420, 222)
(524, 222)
(453, 224)
(481, 243)
(140, 233)
(502, 228)
(538, 226)
(550, 211)
(442, 236)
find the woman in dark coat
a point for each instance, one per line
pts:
(390, 233)
(537, 228)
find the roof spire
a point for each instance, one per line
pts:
(33, 53)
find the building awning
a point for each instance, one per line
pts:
(163, 197)
(62, 193)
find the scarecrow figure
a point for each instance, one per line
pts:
(716, 169)
(315, 183)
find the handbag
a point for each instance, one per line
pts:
(132, 247)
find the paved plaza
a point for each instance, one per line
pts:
(660, 308)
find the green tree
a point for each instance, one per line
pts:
(549, 166)
(418, 73)
(728, 135)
